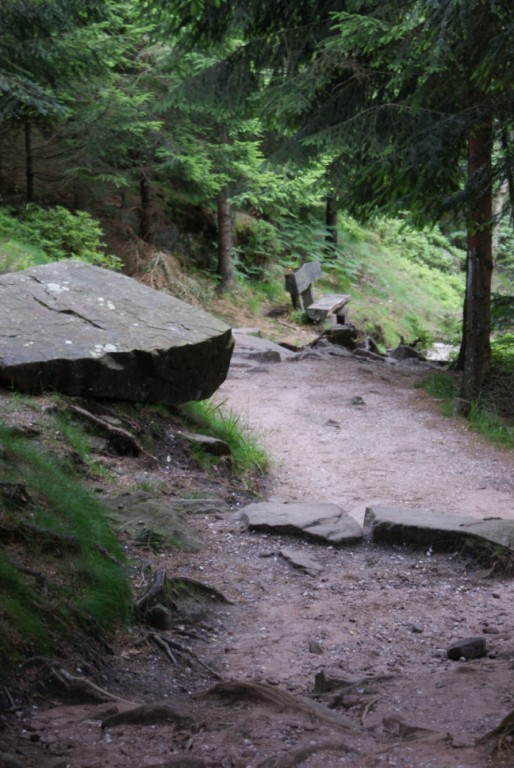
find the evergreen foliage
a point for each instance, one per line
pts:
(43, 47)
(55, 233)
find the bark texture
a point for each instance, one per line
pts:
(477, 326)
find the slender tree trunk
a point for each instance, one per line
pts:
(145, 224)
(331, 221)
(477, 327)
(225, 266)
(29, 165)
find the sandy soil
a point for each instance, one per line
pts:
(379, 618)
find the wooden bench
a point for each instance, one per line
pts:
(299, 285)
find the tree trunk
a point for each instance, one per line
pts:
(477, 326)
(225, 266)
(331, 221)
(145, 222)
(29, 165)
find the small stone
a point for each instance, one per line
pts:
(490, 631)
(417, 628)
(468, 648)
(315, 647)
(160, 617)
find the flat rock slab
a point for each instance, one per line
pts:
(321, 521)
(81, 330)
(302, 561)
(261, 350)
(426, 528)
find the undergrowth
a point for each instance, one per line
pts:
(39, 235)
(483, 416)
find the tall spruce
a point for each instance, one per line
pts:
(45, 49)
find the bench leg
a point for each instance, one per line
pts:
(307, 298)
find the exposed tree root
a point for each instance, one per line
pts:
(279, 697)
(299, 754)
(149, 714)
(168, 645)
(83, 685)
(122, 440)
(500, 734)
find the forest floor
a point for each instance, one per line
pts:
(377, 620)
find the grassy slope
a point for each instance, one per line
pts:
(392, 278)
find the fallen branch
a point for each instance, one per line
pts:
(164, 645)
(9, 698)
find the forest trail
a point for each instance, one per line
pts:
(359, 433)
(378, 619)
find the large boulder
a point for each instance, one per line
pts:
(82, 330)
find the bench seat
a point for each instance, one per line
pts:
(331, 304)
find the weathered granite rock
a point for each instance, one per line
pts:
(405, 352)
(321, 521)
(255, 348)
(426, 528)
(343, 335)
(468, 648)
(209, 444)
(82, 330)
(152, 522)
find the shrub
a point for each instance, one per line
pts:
(58, 234)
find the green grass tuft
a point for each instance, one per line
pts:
(486, 422)
(442, 387)
(248, 456)
(482, 417)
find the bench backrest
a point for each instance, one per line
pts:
(299, 281)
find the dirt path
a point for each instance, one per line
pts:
(353, 433)
(358, 433)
